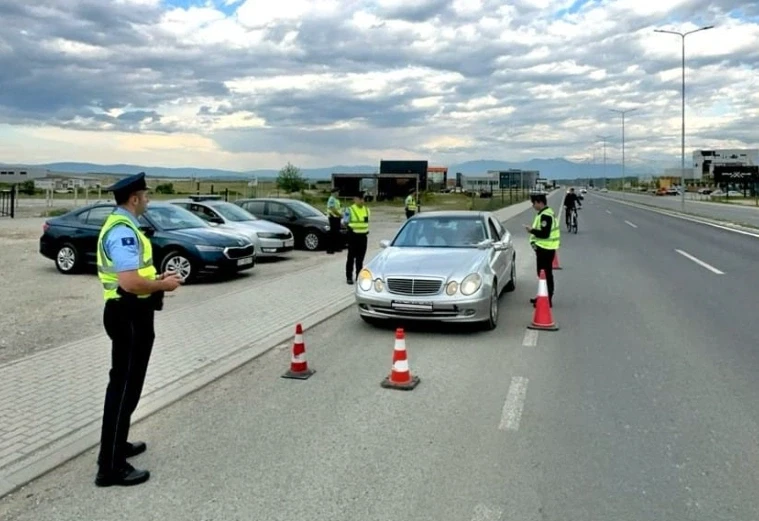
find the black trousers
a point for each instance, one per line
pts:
(410, 213)
(544, 261)
(335, 240)
(568, 214)
(357, 244)
(130, 326)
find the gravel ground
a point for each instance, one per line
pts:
(41, 308)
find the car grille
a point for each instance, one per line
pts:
(239, 253)
(414, 287)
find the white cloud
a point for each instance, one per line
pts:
(247, 84)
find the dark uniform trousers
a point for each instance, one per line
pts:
(335, 237)
(357, 244)
(544, 261)
(129, 323)
(410, 213)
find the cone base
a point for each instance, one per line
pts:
(406, 386)
(301, 375)
(539, 327)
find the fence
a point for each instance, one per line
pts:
(8, 202)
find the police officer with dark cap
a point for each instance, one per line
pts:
(545, 237)
(133, 291)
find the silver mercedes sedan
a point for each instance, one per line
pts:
(447, 266)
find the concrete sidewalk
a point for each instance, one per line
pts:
(51, 403)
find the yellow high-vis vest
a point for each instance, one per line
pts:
(553, 240)
(359, 219)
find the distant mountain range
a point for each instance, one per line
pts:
(557, 168)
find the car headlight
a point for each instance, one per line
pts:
(451, 288)
(205, 247)
(471, 284)
(378, 285)
(365, 279)
(263, 235)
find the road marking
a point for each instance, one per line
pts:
(530, 338)
(700, 262)
(631, 224)
(670, 213)
(483, 513)
(512, 409)
(608, 211)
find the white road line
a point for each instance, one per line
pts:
(530, 338)
(631, 224)
(700, 262)
(608, 211)
(483, 513)
(512, 409)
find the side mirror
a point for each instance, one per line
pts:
(500, 246)
(484, 245)
(147, 230)
(216, 220)
(384, 243)
(292, 217)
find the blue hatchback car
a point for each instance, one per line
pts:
(181, 241)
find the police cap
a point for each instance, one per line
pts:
(538, 197)
(129, 185)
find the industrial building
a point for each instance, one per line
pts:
(14, 174)
(704, 162)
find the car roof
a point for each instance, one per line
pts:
(451, 213)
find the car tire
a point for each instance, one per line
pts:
(512, 285)
(181, 263)
(492, 322)
(67, 259)
(312, 240)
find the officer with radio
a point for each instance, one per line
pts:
(133, 291)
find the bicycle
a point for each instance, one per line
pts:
(572, 222)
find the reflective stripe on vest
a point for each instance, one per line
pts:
(106, 272)
(411, 202)
(553, 240)
(359, 219)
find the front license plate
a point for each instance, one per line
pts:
(410, 305)
(288, 243)
(245, 261)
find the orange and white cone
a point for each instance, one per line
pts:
(400, 376)
(298, 364)
(556, 265)
(543, 318)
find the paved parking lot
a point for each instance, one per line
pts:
(45, 309)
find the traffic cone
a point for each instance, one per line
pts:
(542, 318)
(298, 365)
(556, 265)
(400, 376)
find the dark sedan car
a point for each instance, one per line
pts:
(309, 226)
(181, 241)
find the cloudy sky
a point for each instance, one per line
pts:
(245, 84)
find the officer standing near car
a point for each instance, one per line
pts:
(357, 221)
(133, 291)
(545, 236)
(334, 213)
(410, 204)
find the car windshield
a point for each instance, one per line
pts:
(441, 232)
(171, 217)
(232, 212)
(305, 209)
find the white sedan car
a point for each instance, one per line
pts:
(270, 239)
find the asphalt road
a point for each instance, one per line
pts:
(642, 406)
(734, 213)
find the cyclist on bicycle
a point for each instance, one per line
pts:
(571, 201)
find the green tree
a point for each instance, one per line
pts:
(290, 179)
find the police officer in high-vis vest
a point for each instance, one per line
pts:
(357, 221)
(132, 290)
(544, 239)
(410, 204)
(334, 213)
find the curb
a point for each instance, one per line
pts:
(77, 443)
(714, 223)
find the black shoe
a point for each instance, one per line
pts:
(134, 449)
(126, 476)
(349, 281)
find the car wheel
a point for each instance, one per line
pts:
(67, 259)
(312, 240)
(512, 285)
(179, 263)
(492, 322)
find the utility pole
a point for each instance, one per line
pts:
(604, 138)
(623, 112)
(682, 131)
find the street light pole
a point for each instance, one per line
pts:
(682, 131)
(604, 138)
(623, 112)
